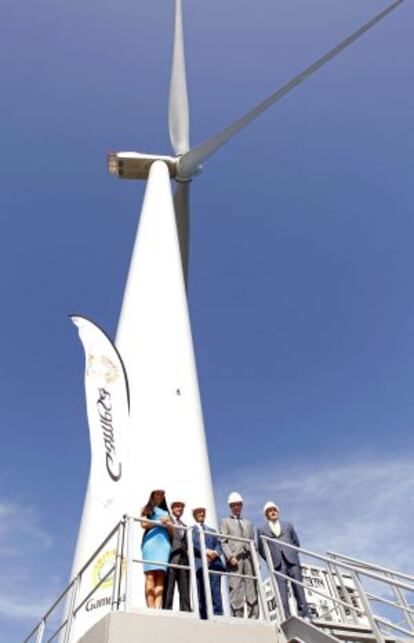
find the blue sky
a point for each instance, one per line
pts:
(301, 263)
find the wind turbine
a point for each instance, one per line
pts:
(154, 335)
(187, 162)
(164, 442)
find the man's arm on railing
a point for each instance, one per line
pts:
(216, 546)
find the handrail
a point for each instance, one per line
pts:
(49, 611)
(362, 563)
(228, 536)
(159, 523)
(56, 632)
(225, 572)
(307, 552)
(71, 585)
(92, 592)
(148, 561)
(381, 599)
(101, 546)
(360, 610)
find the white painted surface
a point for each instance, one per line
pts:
(168, 447)
(169, 627)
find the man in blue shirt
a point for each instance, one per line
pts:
(213, 555)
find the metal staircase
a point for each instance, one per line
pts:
(296, 629)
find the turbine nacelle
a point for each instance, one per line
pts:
(134, 165)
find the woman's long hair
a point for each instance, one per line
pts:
(149, 507)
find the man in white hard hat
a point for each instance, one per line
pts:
(243, 591)
(284, 559)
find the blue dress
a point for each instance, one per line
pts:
(156, 543)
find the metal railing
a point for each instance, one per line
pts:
(389, 576)
(345, 592)
(131, 520)
(351, 614)
(70, 594)
(228, 573)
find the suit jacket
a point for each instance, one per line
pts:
(232, 527)
(212, 542)
(178, 544)
(288, 535)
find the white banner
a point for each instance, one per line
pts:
(107, 403)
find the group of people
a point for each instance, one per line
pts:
(165, 547)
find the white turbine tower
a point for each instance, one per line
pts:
(162, 444)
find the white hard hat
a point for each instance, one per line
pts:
(234, 497)
(270, 505)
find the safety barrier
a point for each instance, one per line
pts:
(353, 606)
(351, 614)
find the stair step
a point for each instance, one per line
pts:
(355, 634)
(295, 628)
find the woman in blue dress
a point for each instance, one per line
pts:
(156, 546)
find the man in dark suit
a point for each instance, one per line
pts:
(178, 556)
(285, 559)
(213, 554)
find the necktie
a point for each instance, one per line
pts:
(180, 532)
(240, 526)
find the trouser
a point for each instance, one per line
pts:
(294, 572)
(181, 577)
(215, 586)
(243, 590)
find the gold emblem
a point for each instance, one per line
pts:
(102, 567)
(100, 367)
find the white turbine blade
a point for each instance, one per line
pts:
(190, 161)
(182, 217)
(179, 120)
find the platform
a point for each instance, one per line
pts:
(169, 627)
